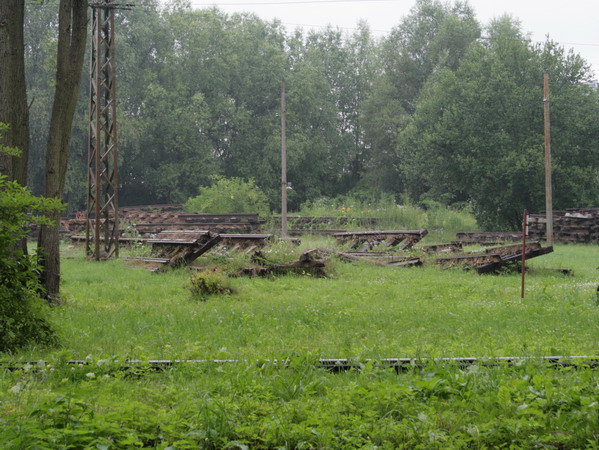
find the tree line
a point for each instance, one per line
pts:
(442, 109)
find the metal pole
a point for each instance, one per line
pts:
(283, 163)
(524, 233)
(548, 187)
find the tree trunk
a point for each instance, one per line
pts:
(13, 91)
(72, 33)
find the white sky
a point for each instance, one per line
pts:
(573, 23)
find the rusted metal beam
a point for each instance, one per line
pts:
(102, 225)
(453, 247)
(515, 249)
(470, 260)
(182, 247)
(390, 238)
(487, 238)
(493, 266)
(331, 364)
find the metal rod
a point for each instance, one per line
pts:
(283, 162)
(548, 185)
(524, 233)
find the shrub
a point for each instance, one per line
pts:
(209, 282)
(21, 308)
(229, 195)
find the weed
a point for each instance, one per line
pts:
(209, 282)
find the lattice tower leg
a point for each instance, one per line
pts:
(102, 225)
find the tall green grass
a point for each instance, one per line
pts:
(361, 311)
(114, 311)
(442, 222)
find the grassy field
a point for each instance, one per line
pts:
(114, 311)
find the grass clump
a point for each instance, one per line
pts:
(209, 282)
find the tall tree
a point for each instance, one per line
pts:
(41, 33)
(72, 33)
(432, 36)
(477, 134)
(13, 95)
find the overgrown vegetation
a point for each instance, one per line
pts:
(22, 311)
(229, 195)
(209, 282)
(353, 314)
(363, 312)
(441, 221)
(250, 406)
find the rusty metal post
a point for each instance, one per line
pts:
(548, 185)
(102, 224)
(524, 233)
(283, 162)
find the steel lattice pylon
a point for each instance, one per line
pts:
(102, 225)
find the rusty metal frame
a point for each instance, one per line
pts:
(102, 224)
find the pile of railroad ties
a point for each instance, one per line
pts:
(178, 238)
(572, 226)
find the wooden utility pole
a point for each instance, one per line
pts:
(548, 188)
(524, 234)
(283, 163)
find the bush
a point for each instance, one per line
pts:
(209, 282)
(229, 195)
(21, 308)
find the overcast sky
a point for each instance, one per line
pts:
(573, 23)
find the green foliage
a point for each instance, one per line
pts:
(441, 221)
(248, 406)
(477, 132)
(282, 252)
(229, 195)
(3, 148)
(440, 109)
(355, 315)
(209, 282)
(22, 321)
(434, 35)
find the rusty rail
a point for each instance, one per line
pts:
(331, 364)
